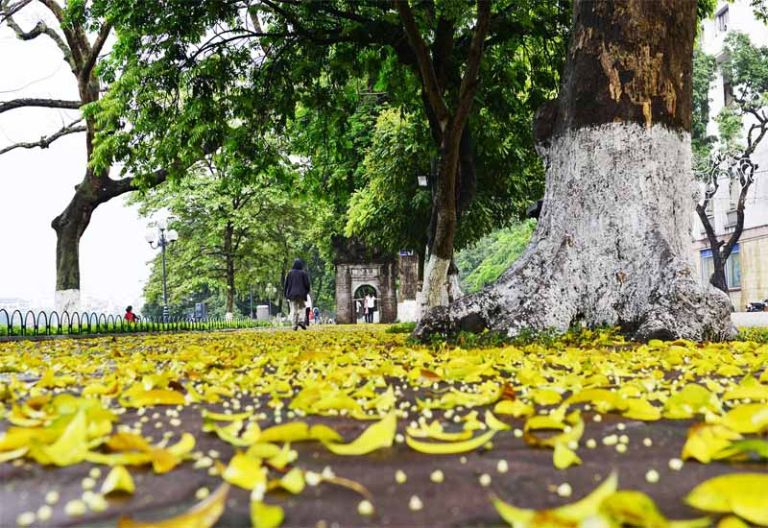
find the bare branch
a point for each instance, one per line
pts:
(39, 103)
(45, 142)
(10, 10)
(41, 28)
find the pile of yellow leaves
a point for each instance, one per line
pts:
(63, 402)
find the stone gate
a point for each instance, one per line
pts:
(379, 274)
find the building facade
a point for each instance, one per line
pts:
(747, 268)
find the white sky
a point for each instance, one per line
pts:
(36, 185)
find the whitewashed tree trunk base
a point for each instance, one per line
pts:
(67, 301)
(611, 246)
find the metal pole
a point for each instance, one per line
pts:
(250, 301)
(166, 312)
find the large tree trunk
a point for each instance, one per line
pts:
(70, 226)
(612, 243)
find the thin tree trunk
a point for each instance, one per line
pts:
(612, 241)
(230, 266)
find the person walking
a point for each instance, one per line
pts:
(316, 312)
(297, 288)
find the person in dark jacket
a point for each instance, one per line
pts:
(296, 291)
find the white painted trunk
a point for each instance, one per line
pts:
(434, 291)
(611, 245)
(67, 301)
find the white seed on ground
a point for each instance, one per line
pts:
(463, 459)
(399, 438)
(485, 480)
(312, 478)
(518, 433)
(400, 476)
(675, 464)
(652, 476)
(564, 490)
(75, 508)
(437, 476)
(88, 483)
(647, 442)
(94, 473)
(610, 440)
(44, 512)
(364, 507)
(624, 439)
(203, 462)
(52, 497)
(202, 493)
(621, 448)
(175, 422)
(591, 443)
(415, 503)
(502, 466)
(25, 519)
(621, 426)
(597, 418)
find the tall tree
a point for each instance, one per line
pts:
(613, 236)
(731, 159)
(286, 52)
(80, 38)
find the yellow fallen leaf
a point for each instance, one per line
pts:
(7, 456)
(743, 494)
(245, 472)
(260, 450)
(748, 418)
(202, 515)
(640, 409)
(118, 479)
(285, 456)
(732, 522)
(564, 457)
(564, 516)
(293, 481)
(222, 417)
(633, 508)
(705, 441)
(136, 396)
(448, 448)
(514, 408)
(266, 515)
(299, 432)
(494, 423)
(377, 436)
(70, 448)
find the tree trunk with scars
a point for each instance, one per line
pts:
(612, 241)
(440, 285)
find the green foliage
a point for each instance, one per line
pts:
(391, 211)
(758, 335)
(704, 67)
(483, 262)
(324, 73)
(401, 328)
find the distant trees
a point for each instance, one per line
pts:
(239, 230)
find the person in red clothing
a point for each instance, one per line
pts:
(129, 316)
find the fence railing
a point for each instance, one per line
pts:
(50, 323)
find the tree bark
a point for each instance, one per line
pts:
(612, 241)
(230, 265)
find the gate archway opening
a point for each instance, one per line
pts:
(359, 303)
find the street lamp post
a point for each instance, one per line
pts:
(162, 237)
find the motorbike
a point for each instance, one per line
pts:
(758, 306)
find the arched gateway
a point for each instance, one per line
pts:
(379, 275)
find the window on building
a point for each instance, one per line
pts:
(732, 267)
(721, 20)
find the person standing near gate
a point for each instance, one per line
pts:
(297, 292)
